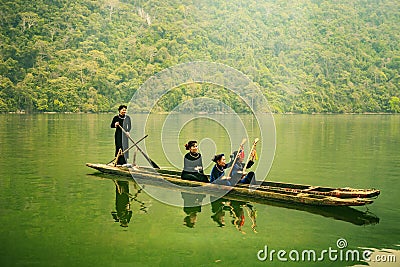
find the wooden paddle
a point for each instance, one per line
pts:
(250, 154)
(237, 156)
(126, 150)
(152, 163)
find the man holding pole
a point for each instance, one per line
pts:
(121, 139)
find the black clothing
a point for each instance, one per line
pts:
(191, 206)
(192, 202)
(218, 172)
(122, 204)
(218, 204)
(237, 176)
(121, 141)
(193, 162)
(195, 176)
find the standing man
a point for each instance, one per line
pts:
(121, 141)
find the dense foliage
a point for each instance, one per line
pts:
(307, 56)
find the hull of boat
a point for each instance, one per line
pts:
(262, 192)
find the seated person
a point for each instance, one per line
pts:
(237, 175)
(218, 171)
(193, 164)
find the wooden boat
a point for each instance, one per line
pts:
(341, 213)
(272, 191)
(345, 192)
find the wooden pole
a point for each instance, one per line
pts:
(251, 151)
(152, 163)
(237, 155)
(117, 157)
(132, 146)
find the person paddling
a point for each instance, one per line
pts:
(218, 171)
(121, 140)
(237, 175)
(193, 164)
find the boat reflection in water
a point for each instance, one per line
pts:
(233, 206)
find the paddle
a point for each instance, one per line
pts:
(126, 150)
(253, 148)
(152, 163)
(237, 156)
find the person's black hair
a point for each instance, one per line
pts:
(217, 157)
(233, 155)
(121, 107)
(190, 144)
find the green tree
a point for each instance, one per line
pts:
(394, 104)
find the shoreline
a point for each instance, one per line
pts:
(203, 113)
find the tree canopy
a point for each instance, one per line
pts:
(307, 56)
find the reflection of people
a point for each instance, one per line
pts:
(218, 209)
(191, 206)
(236, 210)
(123, 213)
(121, 141)
(193, 164)
(237, 213)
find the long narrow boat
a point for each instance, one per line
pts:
(344, 192)
(341, 213)
(273, 191)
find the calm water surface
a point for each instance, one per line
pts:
(54, 212)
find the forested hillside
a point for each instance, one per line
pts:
(307, 55)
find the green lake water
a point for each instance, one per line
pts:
(55, 212)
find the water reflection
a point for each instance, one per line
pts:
(236, 210)
(191, 206)
(123, 198)
(341, 213)
(230, 210)
(123, 213)
(220, 207)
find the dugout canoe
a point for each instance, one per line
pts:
(341, 213)
(344, 192)
(274, 191)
